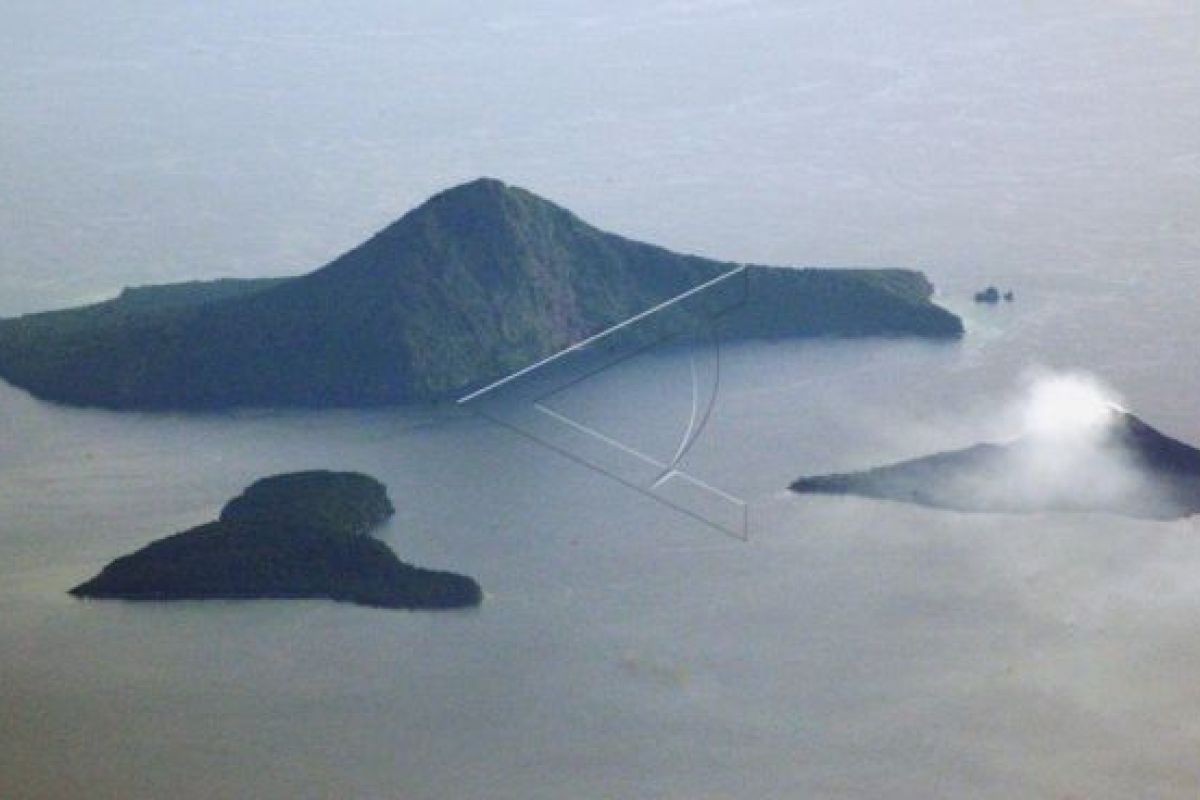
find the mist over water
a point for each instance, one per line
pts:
(853, 648)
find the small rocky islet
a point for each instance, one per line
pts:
(991, 296)
(295, 535)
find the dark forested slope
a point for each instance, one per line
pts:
(480, 280)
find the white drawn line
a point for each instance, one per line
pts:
(606, 332)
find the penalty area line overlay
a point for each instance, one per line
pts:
(707, 504)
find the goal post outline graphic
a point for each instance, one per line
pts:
(520, 401)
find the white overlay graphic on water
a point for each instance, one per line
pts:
(520, 401)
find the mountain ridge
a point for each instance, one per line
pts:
(481, 279)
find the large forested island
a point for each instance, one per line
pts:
(302, 534)
(480, 280)
(1123, 466)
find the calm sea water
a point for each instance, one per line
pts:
(849, 649)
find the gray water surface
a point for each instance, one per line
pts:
(851, 648)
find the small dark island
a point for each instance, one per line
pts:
(1124, 467)
(991, 296)
(302, 534)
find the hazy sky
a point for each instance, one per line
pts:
(145, 142)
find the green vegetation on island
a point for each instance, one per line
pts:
(302, 534)
(785, 302)
(479, 281)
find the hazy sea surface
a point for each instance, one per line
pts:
(851, 648)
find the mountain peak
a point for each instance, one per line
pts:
(482, 183)
(480, 187)
(481, 280)
(485, 191)
(486, 202)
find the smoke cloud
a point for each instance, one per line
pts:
(1067, 406)
(1071, 454)
(1068, 445)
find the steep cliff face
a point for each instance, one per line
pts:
(480, 280)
